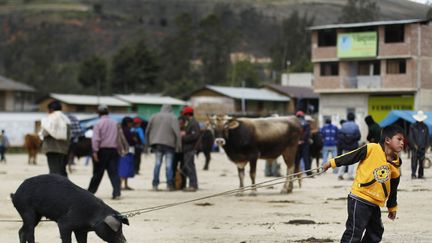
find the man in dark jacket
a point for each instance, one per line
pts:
(419, 142)
(190, 138)
(374, 130)
(303, 147)
(348, 137)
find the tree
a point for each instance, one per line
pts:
(359, 11)
(214, 48)
(293, 45)
(135, 69)
(177, 51)
(93, 75)
(243, 71)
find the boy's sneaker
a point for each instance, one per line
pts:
(340, 178)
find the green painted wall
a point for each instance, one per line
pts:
(147, 110)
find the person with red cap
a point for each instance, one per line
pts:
(190, 138)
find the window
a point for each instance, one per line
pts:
(396, 66)
(369, 68)
(329, 69)
(327, 37)
(394, 33)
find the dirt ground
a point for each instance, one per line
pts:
(314, 213)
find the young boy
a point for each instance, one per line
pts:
(376, 180)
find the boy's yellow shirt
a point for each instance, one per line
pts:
(373, 174)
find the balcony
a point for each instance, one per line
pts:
(361, 82)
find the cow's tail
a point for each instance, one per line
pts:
(11, 196)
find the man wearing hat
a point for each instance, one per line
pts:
(189, 144)
(419, 143)
(106, 152)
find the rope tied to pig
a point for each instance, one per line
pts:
(267, 183)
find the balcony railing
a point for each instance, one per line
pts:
(361, 82)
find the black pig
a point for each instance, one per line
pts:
(73, 208)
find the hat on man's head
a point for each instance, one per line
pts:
(187, 110)
(420, 116)
(102, 108)
(300, 114)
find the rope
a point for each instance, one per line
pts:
(132, 213)
(276, 181)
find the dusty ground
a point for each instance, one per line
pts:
(262, 218)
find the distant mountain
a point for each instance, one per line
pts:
(42, 42)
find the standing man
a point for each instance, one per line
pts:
(163, 134)
(190, 139)
(329, 135)
(419, 142)
(374, 130)
(55, 135)
(303, 147)
(4, 143)
(349, 136)
(106, 146)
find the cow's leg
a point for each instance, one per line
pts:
(241, 173)
(252, 174)
(289, 155)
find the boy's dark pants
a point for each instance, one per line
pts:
(361, 217)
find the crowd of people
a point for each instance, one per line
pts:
(175, 141)
(117, 148)
(338, 140)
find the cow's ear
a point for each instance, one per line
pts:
(112, 222)
(233, 124)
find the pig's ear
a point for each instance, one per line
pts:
(112, 222)
(122, 218)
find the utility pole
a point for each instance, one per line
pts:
(243, 101)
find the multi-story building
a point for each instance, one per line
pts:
(372, 68)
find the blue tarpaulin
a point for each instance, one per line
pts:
(118, 117)
(406, 115)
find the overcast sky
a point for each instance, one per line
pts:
(420, 1)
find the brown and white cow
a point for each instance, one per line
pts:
(32, 144)
(249, 139)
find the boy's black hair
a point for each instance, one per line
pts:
(390, 131)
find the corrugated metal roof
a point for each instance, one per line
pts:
(74, 99)
(363, 24)
(295, 91)
(150, 99)
(8, 84)
(248, 93)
